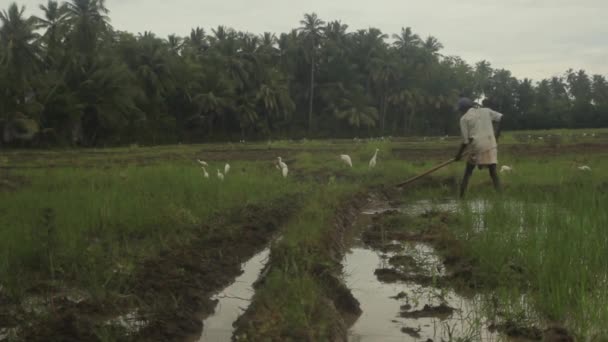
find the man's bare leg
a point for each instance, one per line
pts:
(495, 178)
(468, 171)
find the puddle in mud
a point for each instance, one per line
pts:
(384, 303)
(398, 310)
(233, 301)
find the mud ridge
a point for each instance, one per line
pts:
(337, 295)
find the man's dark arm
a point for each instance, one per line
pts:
(463, 146)
(497, 131)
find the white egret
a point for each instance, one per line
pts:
(205, 173)
(226, 168)
(285, 171)
(506, 168)
(346, 159)
(282, 165)
(220, 175)
(584, 168)
(373, 161)
(203, 163)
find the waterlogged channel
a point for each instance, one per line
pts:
(233, 301)
(429, 308)
(411, 310)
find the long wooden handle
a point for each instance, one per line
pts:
(426, 173)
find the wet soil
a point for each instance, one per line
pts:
(171, 293)
(337, 297)
(433, 266)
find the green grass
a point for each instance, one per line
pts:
(550, 222)
(98, 218)
(79, 215)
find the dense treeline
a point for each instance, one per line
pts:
(68, 77)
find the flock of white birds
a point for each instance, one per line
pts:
(220, 175)
(345, 158)
(282, 166)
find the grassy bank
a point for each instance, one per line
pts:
(88, 219)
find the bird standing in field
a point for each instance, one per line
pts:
(373, 161)
(205, 173)
(506, 168)
(584, 168)
(226, 168)
(203, 163)
(346, 159)
(220, 175)
(283, 167)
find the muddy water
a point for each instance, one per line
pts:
(233, 301)
(384, 304)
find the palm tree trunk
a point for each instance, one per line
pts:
(383, 120)
(312, 91)
(411, 120)
(404, 123)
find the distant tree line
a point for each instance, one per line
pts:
(69, 78)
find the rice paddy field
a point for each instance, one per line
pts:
(135, 244)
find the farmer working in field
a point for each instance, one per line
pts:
(477, 126)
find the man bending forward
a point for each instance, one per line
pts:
(477, 128)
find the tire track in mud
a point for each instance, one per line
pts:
(171, 293)
(335, 294)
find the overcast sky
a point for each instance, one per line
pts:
(532, 38)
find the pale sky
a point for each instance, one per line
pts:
(532, 38)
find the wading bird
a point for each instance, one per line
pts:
(285, 171)
(346, 159)
(373, 161)
(203, 163)
(282, 165)
(226, 168)
(205, 173)
(506, 168)
(220, 175)
(584, 168)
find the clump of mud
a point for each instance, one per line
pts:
(441, 311)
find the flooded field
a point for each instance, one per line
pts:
(403, 291)
(138, 245)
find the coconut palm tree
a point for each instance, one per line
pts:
(354, 108)
(312, 30)
(432, 45)
(53, 23)
(88, 19)
(407, 40)
(21, 57)
(175, 44)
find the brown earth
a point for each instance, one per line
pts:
(336, 295)
(171, 292)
